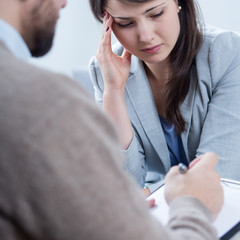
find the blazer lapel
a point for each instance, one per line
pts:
(186, 109)
(141, 98)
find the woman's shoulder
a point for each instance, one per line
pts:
(219, 54)
(219, 40)
(220, 47)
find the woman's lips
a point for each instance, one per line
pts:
(153, 49)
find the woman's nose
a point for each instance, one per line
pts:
(145, 32)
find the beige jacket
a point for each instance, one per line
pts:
(61, 174)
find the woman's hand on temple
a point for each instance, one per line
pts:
(115, 69)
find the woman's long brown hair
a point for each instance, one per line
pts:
(181, 58)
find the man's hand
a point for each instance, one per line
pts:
(200, 181)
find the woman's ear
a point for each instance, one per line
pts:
(176, 2)
(178, 7)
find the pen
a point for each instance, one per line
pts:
(182, 168)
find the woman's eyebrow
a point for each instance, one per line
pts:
(146, 11)
(150, 9)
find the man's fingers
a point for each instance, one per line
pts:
(208, 160)
(172, 173)
(195, 161)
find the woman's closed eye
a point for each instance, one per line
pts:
(123, 25)
(128, 24)
(157, 15)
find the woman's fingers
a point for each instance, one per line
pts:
(104, 23)
(127, 55)
(106, 41)
(105, 50)
(114, 68)
(151, 203)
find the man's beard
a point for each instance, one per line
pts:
(41, 27)
(42, 42)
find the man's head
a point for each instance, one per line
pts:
(35, 20)
(39, 25)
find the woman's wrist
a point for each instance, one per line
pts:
(114, 93)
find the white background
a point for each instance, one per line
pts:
(78, 33)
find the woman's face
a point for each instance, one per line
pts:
(147, 30)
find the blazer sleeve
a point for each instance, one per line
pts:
(135, 163)
(221, 129)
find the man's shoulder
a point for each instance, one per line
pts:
(20, 81)
(16, 72)
(16, 68)
(32, 99)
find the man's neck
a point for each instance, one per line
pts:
(13, 40)
(10, 12)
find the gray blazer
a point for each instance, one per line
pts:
(211, 110)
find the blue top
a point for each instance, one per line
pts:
(13, 41)
(174, 143)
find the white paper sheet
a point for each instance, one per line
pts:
(228, 217)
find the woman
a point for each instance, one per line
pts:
(172, 89)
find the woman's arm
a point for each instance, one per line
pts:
(221, 129)
(115, 70)
(135, 162)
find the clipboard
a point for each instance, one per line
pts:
(231, 190)
(227, 222)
